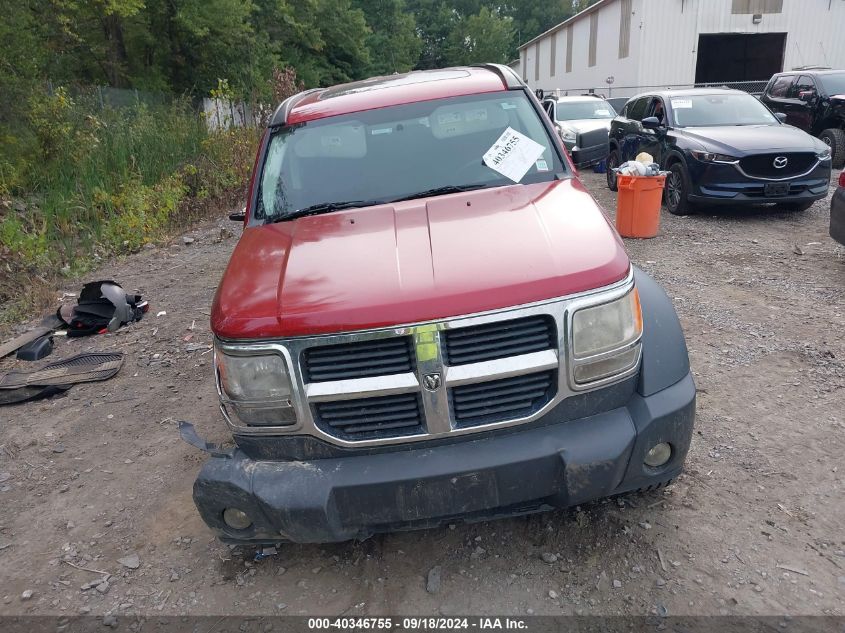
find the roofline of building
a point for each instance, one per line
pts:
(598, 5)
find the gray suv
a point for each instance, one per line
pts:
(583, 124)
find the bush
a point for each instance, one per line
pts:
(76, 177)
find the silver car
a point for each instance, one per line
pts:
(582, 123)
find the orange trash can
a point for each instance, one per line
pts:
(638, 205)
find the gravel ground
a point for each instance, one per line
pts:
(95, 487)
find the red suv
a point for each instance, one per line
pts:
(429, 319)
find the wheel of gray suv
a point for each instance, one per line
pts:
(677, 191)
(835, 140)
(612, 163)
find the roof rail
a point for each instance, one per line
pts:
(506, 74)
(280, 116)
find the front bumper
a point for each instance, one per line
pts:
(714, 184)
(523, 470)
(837, 216)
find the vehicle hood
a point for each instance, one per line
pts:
(586, 125)
(738, 140)
(417, 261)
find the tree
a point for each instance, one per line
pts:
(394, 44)
(483, 37)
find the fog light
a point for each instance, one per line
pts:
(658, 455)
(236, 519)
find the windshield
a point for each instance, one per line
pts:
(593, 109)
(834, 84)
(397, 152)
(719, 109)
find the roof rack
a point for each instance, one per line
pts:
(812, 68)
(280, 116)
(506, 74)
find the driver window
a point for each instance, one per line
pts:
(804, 84)
(657, 110)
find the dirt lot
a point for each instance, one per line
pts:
(754, 526)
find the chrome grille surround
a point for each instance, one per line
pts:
(438, 420)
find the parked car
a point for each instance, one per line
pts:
(720, 147)
(837, 212)
(813, 100)
(405, 336)
(582, 124)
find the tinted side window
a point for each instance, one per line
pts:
(636, 109)
(780, 87)
(804, 84)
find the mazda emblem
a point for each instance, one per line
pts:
(431, 382)
(780, 162)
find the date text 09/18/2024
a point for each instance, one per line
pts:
(417, 623)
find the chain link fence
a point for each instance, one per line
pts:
(218, 114)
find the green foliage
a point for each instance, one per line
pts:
(483, 37)
(394, 44)
(110, 180)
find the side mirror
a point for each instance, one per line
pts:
(780, 116)
(238, 216)
(651, 123)
(807, 95)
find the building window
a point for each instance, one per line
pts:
(569, 48)
(537, 61)
(553, 40)
(745, 7)
(594, 33)
(625, 29)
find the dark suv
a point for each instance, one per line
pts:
(813, 100)
(720, 147)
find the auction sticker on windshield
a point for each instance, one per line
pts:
(513, 154)
(681, 103)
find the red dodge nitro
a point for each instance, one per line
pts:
(429, 319)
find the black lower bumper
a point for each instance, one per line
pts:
(587, 156)
(540, 468)
(753, 192)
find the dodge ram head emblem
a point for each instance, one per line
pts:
(780, 162)
(431, 382)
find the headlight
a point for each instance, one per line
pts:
(566, 133)
(257, 387)
(824, 154)
(710, 157)
(605, 338)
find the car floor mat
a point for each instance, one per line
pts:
(25, 394)
(89, 367)
(49, 324)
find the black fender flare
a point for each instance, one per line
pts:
(665, 359)
(674, 156)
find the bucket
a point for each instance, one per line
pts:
(638, 205)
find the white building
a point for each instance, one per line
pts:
(620, 47)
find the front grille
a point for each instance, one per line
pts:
(378, 357)
(762, 165)
(368, 418)
(501, 339)
(505, 399)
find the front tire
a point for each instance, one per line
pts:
(835, 139)
(677, 191)
(612, 163)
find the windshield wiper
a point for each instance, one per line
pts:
(323, 207)
(439, 191)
